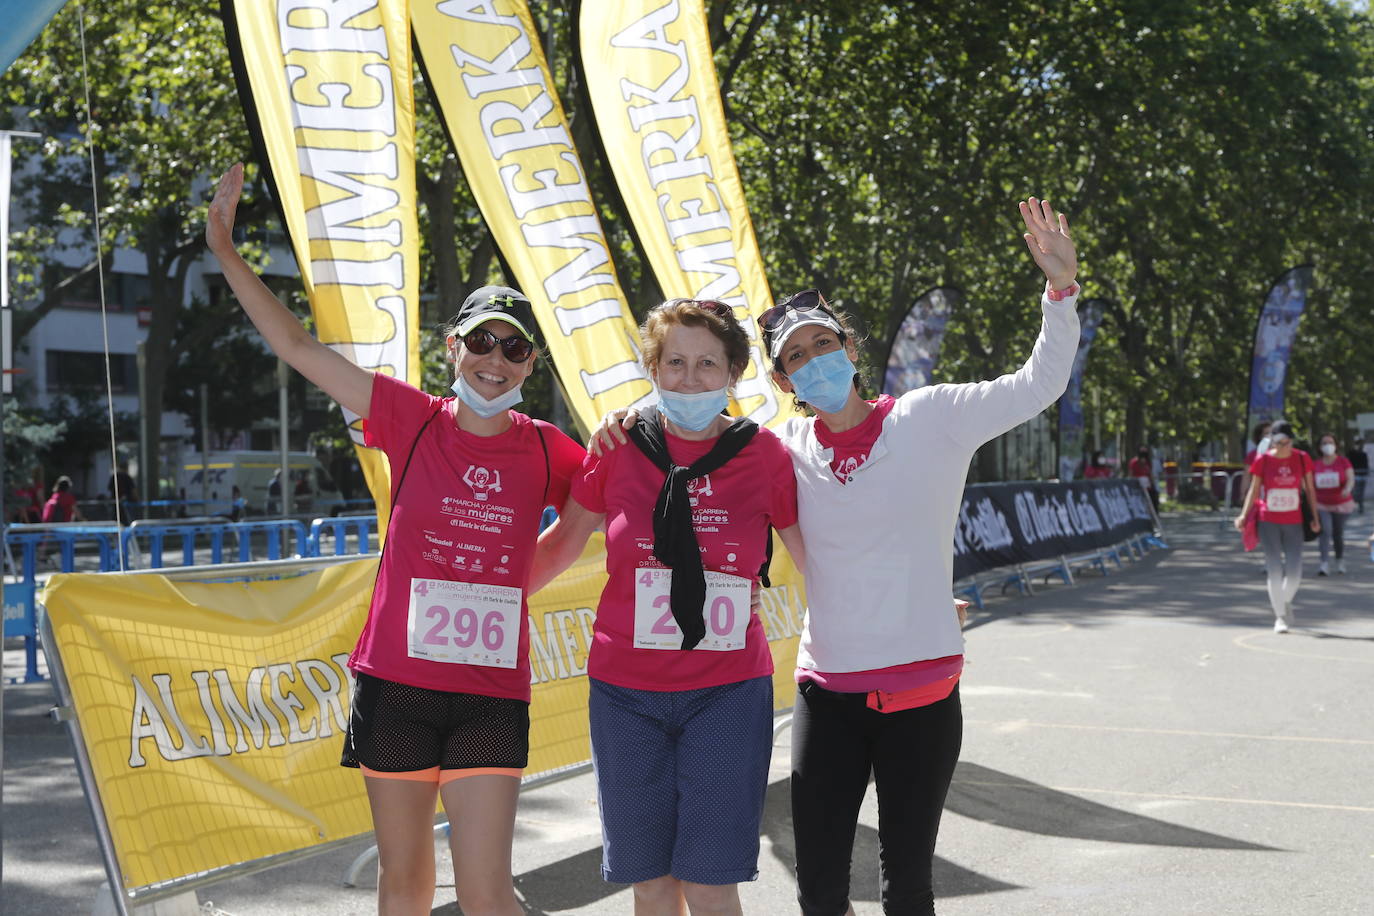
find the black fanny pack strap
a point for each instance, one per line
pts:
(396, 490)
(548, 472)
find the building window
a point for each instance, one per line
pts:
(83, 370)
(124, 292)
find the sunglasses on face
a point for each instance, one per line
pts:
(515, 348)
(808, 300)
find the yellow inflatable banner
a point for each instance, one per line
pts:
(327, 91)
(652, 83)
(484, 65)
(213, 714)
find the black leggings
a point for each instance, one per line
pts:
(837, 742)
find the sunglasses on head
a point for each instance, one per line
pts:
(808, 300)
(714, 306)
(515, 348)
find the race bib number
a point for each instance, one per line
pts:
(1327, 480)
(460, 623)
(1282, 500)
(726, 612)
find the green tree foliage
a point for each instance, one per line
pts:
(1199, 150)
(164, 113)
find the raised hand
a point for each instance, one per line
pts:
(219, 222)
(1047, 237)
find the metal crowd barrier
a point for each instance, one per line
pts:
(59, 542)
(340, 526)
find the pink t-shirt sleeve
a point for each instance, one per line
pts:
(589, 484)
(783, 508)
(565, 462)
(395, 413)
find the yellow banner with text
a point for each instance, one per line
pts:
(213, 713)
(327, 92)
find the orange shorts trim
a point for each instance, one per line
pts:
(448, 776)
(436, 776)
(430, 775)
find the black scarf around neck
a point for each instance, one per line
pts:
(675, 541)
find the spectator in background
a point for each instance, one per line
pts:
(121, 491)
(28, 502)
(1335, 481)
(238, 506)
(274, 493)
(1257, 444)
(1143, 471)
(1359, 462)
(1096, 467)
(61, 506)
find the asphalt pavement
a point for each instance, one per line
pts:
(1140, 743)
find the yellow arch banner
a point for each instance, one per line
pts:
(327, 92)
(485, 66)
(652, 84)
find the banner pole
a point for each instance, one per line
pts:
(65, 713)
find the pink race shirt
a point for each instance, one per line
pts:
(60, 507)
(731, 510)
(1281, 481)
(849, 449)
(1329, 480)
(449, 609)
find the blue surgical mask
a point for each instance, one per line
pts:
(693, 411)
(486, 409)
(825, 381)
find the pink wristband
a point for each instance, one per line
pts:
(1055, 295)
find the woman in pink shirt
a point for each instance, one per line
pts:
(1279, 479)
(440, 710)
(681, 702)
(1334, 478)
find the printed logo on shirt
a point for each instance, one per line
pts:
(484, 482)
(844, 468)
(697, 487)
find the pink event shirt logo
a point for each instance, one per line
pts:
(699, 486)
(483, 482)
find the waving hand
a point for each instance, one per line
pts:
(1047, 237)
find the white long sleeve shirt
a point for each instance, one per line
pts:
(880, 549)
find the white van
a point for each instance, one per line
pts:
(311, 487)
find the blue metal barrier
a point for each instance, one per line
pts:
(21, 615)
(45, 541)
(275, 529)
(340, 526)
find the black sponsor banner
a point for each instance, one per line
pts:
(1001, 524)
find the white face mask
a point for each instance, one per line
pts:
(481, 406)
(1328, 448)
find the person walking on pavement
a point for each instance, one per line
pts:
(1280, 479)
(1335, 482)
(438, 715)
(1142, 469)
(1359, 463)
